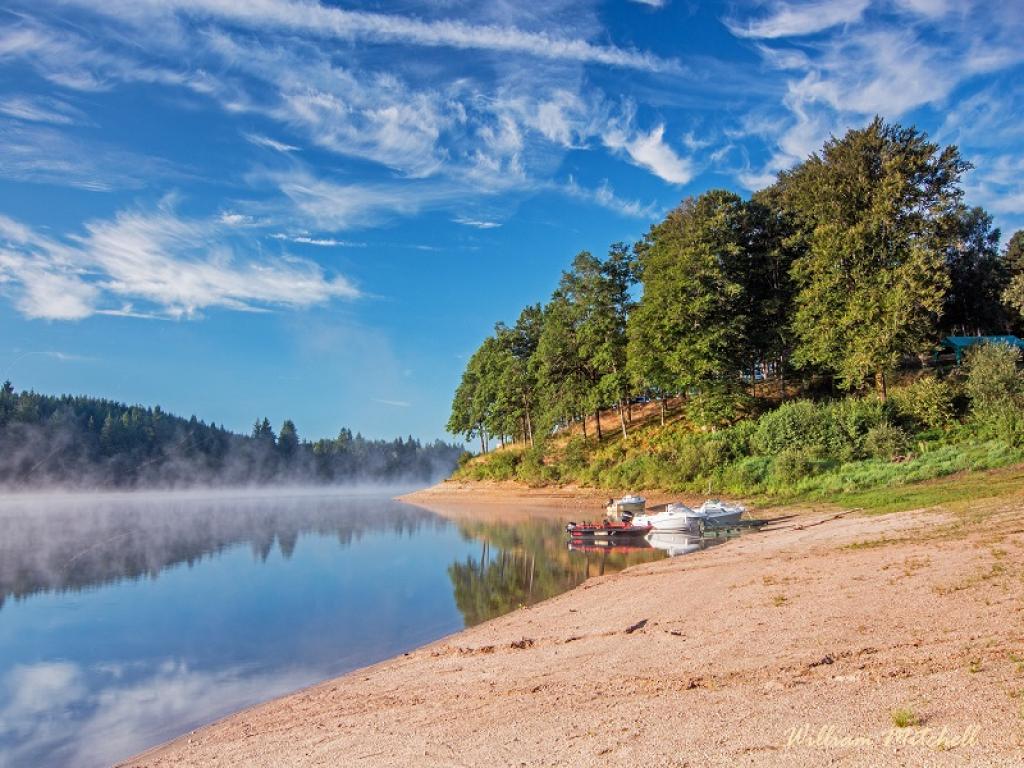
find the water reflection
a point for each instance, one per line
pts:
(73, 542)
(133, 618)
(523, 561)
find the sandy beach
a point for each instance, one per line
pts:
(802, 645)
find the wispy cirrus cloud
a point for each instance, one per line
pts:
(269, 143)
(794, 19)
(40, 109)
(604, 196)
(467, 221)
(175, 266)
(322, 242)
(863, 64)
(315, 18)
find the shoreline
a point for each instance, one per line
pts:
(828, 621)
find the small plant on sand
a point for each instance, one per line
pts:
(779, 600)
(904, 717)
(975, 666)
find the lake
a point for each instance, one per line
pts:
(128, 619)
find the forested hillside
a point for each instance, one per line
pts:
(836, 282)
(86, 442)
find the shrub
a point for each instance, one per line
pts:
(797, 425)
(792, 465)
(993, 378)
(532, 469)
(747, 475)
(854, 419)
(884, 441)
(995, 388)
(575, 455)
(927, 402)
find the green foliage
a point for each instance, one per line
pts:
(886, 441)
(853, 261)
(995, 387)
(927, 402)
(81, 441)
(871, 275)
(792, 465)
(797, 424)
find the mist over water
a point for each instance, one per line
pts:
(127, 619)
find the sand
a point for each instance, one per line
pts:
(791, 647)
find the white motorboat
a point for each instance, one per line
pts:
(675, 517)
(678, 517)
(718, 512)
(625, 508)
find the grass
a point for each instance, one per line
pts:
(779, 600)
(904, 717)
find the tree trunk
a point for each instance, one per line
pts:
(622, 418)
(880, 385)
(584, 426)
(597, 421)
(661, 401)
(529, 428)
(483, 445)
(782, 380)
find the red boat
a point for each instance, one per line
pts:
(606, 529)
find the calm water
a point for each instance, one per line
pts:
(127, 620)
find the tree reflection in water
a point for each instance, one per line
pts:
(81, 541)
(524, 562)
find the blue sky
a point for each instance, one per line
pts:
(317, 210)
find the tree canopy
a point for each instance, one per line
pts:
(859, 258)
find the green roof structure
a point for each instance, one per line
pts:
(959, 344)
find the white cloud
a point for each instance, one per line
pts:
(651, 152)
(393, 403)
(328, 21)
(324, 242)
(605, 196)
(478, 223)
(266, 141)
(797, 19)
(40, 109)
(873, 66)
(932, 9)
(651, 3)
(332, 206)
(232, 219)
(177, 266)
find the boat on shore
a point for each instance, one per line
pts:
(678, 518)
(674, 517)
(606, 530)
(626, 508)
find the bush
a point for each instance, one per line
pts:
(796, 425)
(748, 475)
(884, 441)
(576, 455)
(854, 419)
(995, 388)
(927, 402)
(792, 465)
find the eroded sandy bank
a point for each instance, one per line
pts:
(789, 647)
